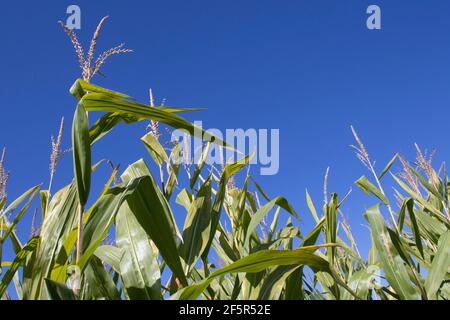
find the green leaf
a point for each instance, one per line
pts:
(59, 270)
(110, 255)
(44, 197)
(311, 238)
(18, 261)
(331, 209)
(273, 284)
(294, 285)
(229, 170)
(369, 187)
(104, 125)
(361, 282)
(97, 282)
(60, 220)
(31, 194)
(184, 198)
(81, 153)
(435, 212)
(200, 165)
(139, 267)
(274, 224)
(439, 267)
(415, 227)
(27, 194)
(432, 189)
(83, 87)
(140, 169)
(58, 291)
(197, 226)
(431, 228)
(263, 211)
(153, 213)
(173, 171)
(394, 268)
(102, 217)
(257, 262)
(155, 149)
(106, 103)
(311, 206)
(388, 166)
(258, 187)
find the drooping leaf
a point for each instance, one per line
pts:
(81, 153)
(155, 149)
(110, 104)
(81, 87)
(257, 262)
(388, 166)
(369, 187)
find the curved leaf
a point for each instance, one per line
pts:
(81, 153)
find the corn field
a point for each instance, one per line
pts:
(236, 243)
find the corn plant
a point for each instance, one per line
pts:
(126, 243)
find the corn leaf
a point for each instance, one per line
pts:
(257, 262)
(139, 268)
(394, 268)
(18, 261)
(440, 267)
(369, 187)
(81, 153)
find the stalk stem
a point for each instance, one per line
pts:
(382, 191)
(80, 232)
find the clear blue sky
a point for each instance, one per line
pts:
(310, 68)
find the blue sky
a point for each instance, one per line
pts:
(310, 68)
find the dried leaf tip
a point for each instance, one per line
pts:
(88, 67)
